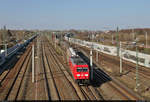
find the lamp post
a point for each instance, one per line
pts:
(5, 49)
(91, 62)
(121, 49)
(112, 39)
(120, 58)
(137, 77)
(146, 38)
(54, 35)
(117, 40)
(32, 63)
(133, 35)
(97, 56)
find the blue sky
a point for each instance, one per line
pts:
(74, 14)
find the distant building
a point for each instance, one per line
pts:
(106, 31)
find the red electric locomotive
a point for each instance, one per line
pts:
(78, 67)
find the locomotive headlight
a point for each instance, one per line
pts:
(86, 74)
(78, 74)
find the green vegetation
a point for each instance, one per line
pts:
(58, 51)
(146, 50)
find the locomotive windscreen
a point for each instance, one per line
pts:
(82, 69)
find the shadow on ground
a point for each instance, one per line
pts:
(99, 76)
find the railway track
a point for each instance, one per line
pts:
(45, 75)
(118, 86)
(69, 78)
(41, 81)
(51, 82)
(64, 87)
(56, 82)
(4, 70)
(9, 81)
(88, 91)
(126, 95)
(116, 61)
(58, 74)
(15, 88)
(27, 88)
(128, 67)
(122, 91)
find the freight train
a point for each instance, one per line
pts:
(13, 50)
(78, 67)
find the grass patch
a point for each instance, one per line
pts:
(58, 50)
(146, 50)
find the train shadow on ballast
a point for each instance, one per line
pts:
(99, 76)
(15, 58)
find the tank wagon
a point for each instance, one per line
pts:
(13, 50)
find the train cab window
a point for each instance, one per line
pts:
(79, 69)
(85, 69)
(82, 69)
